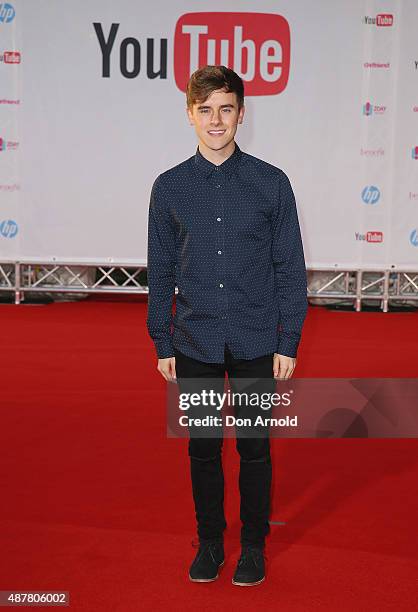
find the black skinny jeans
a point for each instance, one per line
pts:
(205, 454)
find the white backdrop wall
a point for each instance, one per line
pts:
(80, 149)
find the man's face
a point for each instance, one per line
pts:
(216, 119)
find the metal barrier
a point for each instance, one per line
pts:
(324, 286)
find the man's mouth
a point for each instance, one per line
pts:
(216, 132)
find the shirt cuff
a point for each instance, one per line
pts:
(287, 346)
(164, 349)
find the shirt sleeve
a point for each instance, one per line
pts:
(161, 268)
(290, 270)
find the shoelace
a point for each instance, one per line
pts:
(203, 547)
(251, 553)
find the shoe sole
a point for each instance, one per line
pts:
(207, 579)
(244, 584)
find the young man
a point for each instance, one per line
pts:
(223, 227)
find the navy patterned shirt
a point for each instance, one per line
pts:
(228, 237)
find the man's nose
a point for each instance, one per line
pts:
(216, 117)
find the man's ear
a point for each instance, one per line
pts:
(190, 115)
(241, 114)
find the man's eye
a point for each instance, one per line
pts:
(227, 110)
(203, 110)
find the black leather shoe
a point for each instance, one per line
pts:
(210, 557)
(250, 567)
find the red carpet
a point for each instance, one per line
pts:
(96, 500)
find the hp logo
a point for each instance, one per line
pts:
(370, 194)
(413, 238)
(7, 12)
(8, 228)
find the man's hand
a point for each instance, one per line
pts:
(283, 366)
(167, 368)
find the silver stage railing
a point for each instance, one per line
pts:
(324, 286)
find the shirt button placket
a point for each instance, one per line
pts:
(220, 243)
(217, 185)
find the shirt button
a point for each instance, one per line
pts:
(221, 285)
(218, 219)
(217, 186)
(219, 252)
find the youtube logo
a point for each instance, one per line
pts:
(374, 236)
(255, 45)
(12, 57)
(382, 20)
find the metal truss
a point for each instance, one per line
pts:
(363, 286)
(324, 286)
(60, 278)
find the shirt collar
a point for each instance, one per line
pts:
(229, 166)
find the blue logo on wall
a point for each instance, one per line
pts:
(413, 238)
(7, 12)
(8, 228)
(370, 194)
